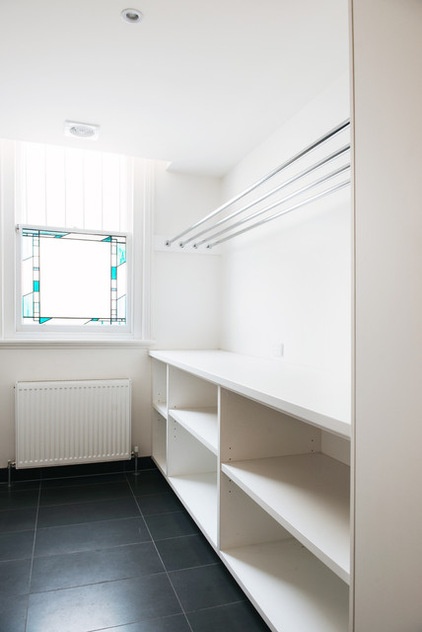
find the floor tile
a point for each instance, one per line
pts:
(102, 605)
(78, 481)
(19, 486)
(96, 568)
(205, 587)
(16, 546)
(83, 469)
(14, 577)
(13, 499)
(89, 567)
(85, 493)
(57, 515)
(17, 519)
(159, 503)
(25, 476)
(13, 609)
(168, 525)
(186, 552)
(90, 536)
(236, 617)
(148, 482)
(176, 623)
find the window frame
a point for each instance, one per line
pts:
(81, 330)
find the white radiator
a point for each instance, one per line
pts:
(70, 422)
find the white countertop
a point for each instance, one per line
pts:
(318, 397)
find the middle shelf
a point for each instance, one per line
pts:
(202, 423)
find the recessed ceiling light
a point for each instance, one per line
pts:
(81, 130)
(133, 16)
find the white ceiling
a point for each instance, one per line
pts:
(197, 82)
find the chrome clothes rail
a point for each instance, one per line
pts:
(191, 234)
(284, 212)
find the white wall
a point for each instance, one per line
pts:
(186, 284)
(290, 282)
(48, 362)
(185, 313)
(388, 192)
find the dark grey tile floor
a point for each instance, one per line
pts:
(111, 552)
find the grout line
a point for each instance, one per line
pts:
(161, 559)
(33, 552)
(123, 625)
(221, 605)
(78, 524)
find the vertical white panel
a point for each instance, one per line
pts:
(125, 206)
(111, 192)
(55, 186)
(35, 196)
(93, 190)
(74, 189)
(388, 161)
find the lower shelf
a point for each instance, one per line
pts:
(198, 492)
(309, 495)
(291, 588)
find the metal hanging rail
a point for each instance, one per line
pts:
(318, 196)
(190, 234)
(330, 176)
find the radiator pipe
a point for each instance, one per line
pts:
(135, 454)
(10, 464)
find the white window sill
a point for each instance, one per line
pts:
(50, 343)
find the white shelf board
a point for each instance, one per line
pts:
(292, 590)
(201, 423)
(198, 492)
(308, 494)
(161, 408)
(316, 396)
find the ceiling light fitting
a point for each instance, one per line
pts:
(133, 16)
(81, 130)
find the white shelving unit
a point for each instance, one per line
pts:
(265, 475)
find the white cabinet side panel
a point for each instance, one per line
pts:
(388, 193)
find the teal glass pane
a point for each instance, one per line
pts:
(121, 254)
(28, 306)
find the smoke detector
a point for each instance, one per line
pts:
(133, 16)
(81, 130)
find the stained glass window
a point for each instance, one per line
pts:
(73, 278)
